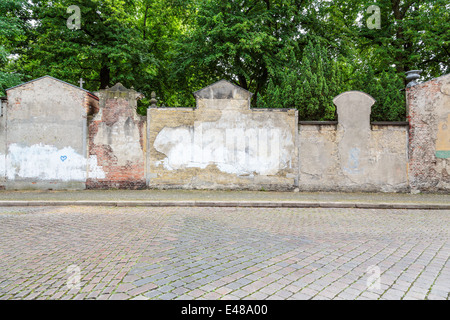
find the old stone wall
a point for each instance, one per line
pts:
(54, 135)
(429, 143)
(117, 140)
(46, 136)
(352, 155)
(3, 103)
(222, 143)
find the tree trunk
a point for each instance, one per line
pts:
(259, 85)
(104, 77)
(242, 82)
(145, 22)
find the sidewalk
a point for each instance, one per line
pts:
(207, 198)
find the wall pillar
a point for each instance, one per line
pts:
(117, 137)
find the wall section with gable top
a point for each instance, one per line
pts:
(46, 135)
(428, 106)
(222, 143)
(117, 139)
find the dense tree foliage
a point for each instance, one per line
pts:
(290, 53)
(308, 85)
(11, 34)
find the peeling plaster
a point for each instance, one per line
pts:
(46, 162)
(236, 144)
(123, 138)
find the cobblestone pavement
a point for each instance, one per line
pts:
(223, 253)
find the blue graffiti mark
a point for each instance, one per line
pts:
(353, 161)
(63, 158)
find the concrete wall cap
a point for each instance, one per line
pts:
(47, 76)
(370, 100)
(222, 89)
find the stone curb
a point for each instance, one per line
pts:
(250, 204)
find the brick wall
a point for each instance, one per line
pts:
(117, 140)
(429, 136)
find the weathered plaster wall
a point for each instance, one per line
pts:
(117, 140)
(429, 145)
(3, 103)
(222, 143)
(352, 155)
(56, 135)
(46, 136)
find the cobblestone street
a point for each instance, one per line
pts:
(223, 253)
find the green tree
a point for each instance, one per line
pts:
(105, 50)
(175, 47)
(242, 41)
(386, 88)
(119, 41)
(11, 32)
(413, 34)
(308, 85)
(163, 24)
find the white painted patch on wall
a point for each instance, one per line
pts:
(236, 144)
(2, 166)
(46, 162)
(95, 171)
